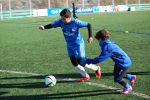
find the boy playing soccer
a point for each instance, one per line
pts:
(75, 43)
(121, 59)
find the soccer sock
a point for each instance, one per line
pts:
(91, 66)
(122, 83)
(81, 70)
(129, 76)
(125, 84)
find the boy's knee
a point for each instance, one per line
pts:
(82, 61)
(74, 61)
(117, 80)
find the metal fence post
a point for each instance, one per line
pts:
(113, 4)
(67, 3)
(83, 3)
(98, 2)
(126, 2)
(49, 4)
(139, 2)
(30, 5)
(10, 15)
(1, 7)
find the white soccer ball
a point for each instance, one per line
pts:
(50, 80)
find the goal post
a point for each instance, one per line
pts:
(1, 11)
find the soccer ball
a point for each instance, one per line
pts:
(50, 80)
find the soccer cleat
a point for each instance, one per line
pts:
(126, 90)
(83, 79)
(132, 81)
(98, 73)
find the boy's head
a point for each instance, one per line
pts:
(102, 34)
(65, 15)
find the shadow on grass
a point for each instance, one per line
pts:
(64, 95)
(1, 93)
(73, 75)
(32, 85)
(24, 85)
(61, 78)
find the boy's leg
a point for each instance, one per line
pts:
(78, 67)
(132, 81)
(92, 67)
(75, 63)
(119, 73)
(81, 59)
(131, 78)
(95, 68)
(79, 54)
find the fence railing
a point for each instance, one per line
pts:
(16, 14)
(140, 6)
(11, 14)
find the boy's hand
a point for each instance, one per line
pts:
(41, 27)
(89, 40)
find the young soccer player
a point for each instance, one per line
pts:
(121, 59)
(75, 43)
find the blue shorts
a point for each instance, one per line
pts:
(77, 50)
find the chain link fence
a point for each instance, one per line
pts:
(44, 4)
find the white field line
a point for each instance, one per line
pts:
(89, 83)
(16, 72)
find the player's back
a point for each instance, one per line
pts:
(118, 55)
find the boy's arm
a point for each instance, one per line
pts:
(103, 56)
(90, 39)
(51, 25)
(48, 26)
(88, 25)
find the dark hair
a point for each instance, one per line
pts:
(102, 34)
(66, 13)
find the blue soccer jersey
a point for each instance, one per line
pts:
(113, 51)
(75, 42)
(71, 30)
